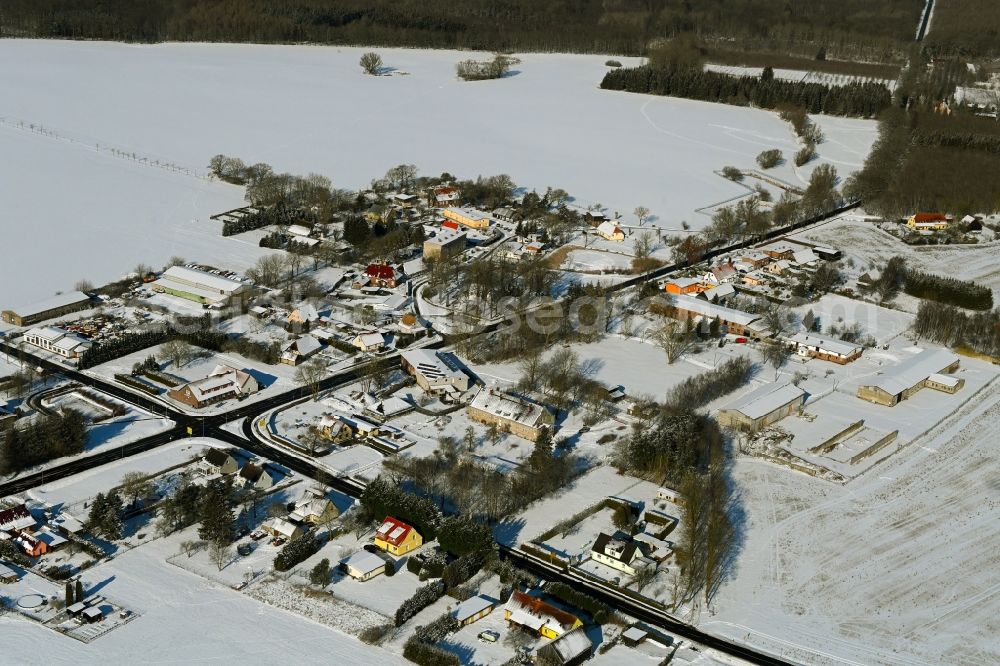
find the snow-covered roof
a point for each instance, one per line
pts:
(190, 276)
(299, 230)
(914, 370)
(54, 303)
(371, 339)
(721, 291)
(50, 539)
(472, 606)
(509, 407)
(281, 526)
(433, 366)
(829, 345)
(470, 213)
(608, 228)
(765, 399)
(711, 310)
(16, 518)
(304, 346)
(222, 380)
(944, 380)
(364, 562)
(314, 507)
(684, 282)
(445, 235)
(572, 644)
(6, 571)
(806, 256)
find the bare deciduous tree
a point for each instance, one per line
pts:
(673, 338)
(642, 214)
(221, 554)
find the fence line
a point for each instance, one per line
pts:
(106, 149)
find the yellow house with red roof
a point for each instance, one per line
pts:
(396, 537)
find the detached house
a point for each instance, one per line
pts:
(619, 554)
(16, 519)
(544, 619)
(300, 350)
(396, 537)
(255, 477)
(610, 231)
(369, 342)
(928, 222)
(363, 565)
(514, 414)
(57, 341)
(382, 275)
(217, 461)
(314, 508)
(223, 383)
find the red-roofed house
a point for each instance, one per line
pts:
(928, 221)
(381, 275)
(450, 224)
(396, 537)
(16, 519)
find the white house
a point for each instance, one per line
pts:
(363, 565)
(57, 340)
(368, 342)
(619, 554)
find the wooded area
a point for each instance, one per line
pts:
(765, 91)
(871, 30)
(925, 161)
(965, 27)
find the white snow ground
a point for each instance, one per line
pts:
(306, 109)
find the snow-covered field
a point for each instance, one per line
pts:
(899, 566)
(310, 109)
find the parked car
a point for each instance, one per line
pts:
(257, 536)
(244, 549)
(489, 636)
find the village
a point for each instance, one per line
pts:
(384, 433)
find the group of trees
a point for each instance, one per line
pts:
(476, 70)
(699, 390)
(865, 99)
(266, 188)
(205, 338)
(923, 161)
(951, 291)
(105, 516)
(847, 28)
(949, 325)
(383, 498)
(43, 438)
(295, 551)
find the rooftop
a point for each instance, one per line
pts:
(711, 310)
(54, 303)
(912, 371)
(186, 275)
(765, 399)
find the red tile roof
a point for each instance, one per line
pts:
(449, 224)
(381, 271)
(930, 217)
(393, 531)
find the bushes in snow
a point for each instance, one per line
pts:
(426, 654)
(598, 610)
(44, 438)
(460, 535)
(947, 290)
(768, 159)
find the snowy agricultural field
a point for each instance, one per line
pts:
(74, 213)
(311, 109)
(898, 566)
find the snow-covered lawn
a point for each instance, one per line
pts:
(548, 124)
(899, 566)
(596, 260)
